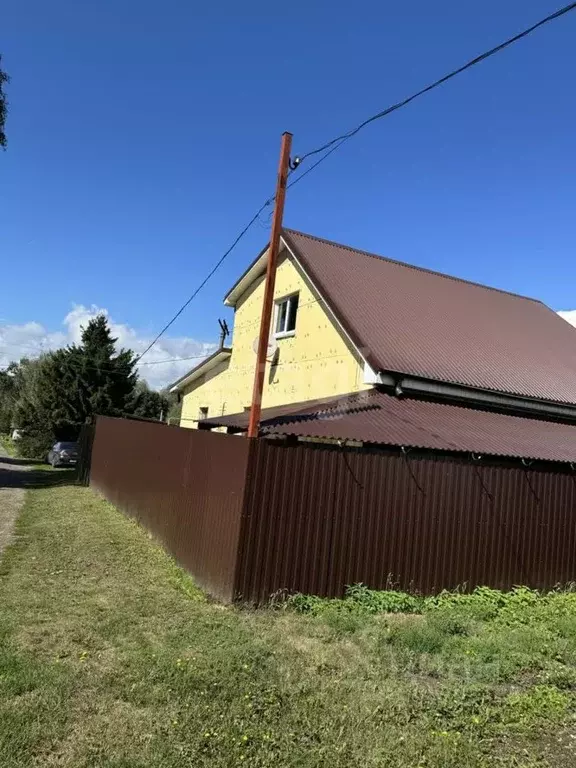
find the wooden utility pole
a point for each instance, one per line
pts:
(266, 317)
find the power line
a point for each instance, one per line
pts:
(47, 350)
(337, 142)
(317, 163)
(289, 363)
(172, 359)
(104, 368)
(237, 369)
(332, 145)
(165, 360)
(209, 275)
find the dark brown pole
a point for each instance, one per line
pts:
(266, 317)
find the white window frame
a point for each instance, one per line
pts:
(284, 334)
(202, 415)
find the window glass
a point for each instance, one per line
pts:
(286, 311)
(281, 319)
(292, 309)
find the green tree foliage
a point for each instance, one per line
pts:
(175, 408)
(148, 404)
(10, 386)
(4, 79)
(62, 390)
(10, 381)
(31, 414)
(101, 381)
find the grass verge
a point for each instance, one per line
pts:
(111, 657)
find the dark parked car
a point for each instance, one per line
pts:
(63, 454)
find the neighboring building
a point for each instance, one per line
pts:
(346, 321)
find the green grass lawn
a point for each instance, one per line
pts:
(110, 657)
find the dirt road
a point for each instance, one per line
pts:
(12, 490)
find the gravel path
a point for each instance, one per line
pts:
(11, 495)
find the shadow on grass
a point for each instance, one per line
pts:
(18, 462)
(36, 478)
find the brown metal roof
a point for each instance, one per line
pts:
(376, 417)
(239, 421)
(413, 321)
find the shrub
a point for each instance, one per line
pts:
(34, 445)
(384, 601)
(301, 603)
(483, 603)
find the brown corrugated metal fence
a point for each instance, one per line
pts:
(251, 518)
(319, 517)
(186, 486)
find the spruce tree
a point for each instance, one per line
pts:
(105, 380)
(67, 388)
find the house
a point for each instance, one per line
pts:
(418, 431)
(312, 355)
(355, 333)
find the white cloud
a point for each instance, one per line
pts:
(569, 315)
(31, 339)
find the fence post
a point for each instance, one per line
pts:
(85, 442)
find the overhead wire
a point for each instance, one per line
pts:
(337, 142)
(104, 367)
(244, 326)
(254, 218)
(150, 362)
(41, 349)
(238, 369)
(315, 165)
(331, 146)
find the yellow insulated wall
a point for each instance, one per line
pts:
(318, 361)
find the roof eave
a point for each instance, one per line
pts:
(217, 357)
(508, 401)
(252, 273)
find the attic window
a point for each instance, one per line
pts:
(202, 413)
(286, 310)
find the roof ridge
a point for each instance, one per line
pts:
(410, 266)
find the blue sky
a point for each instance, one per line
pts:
(143, 136)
